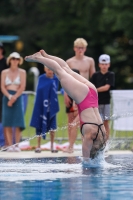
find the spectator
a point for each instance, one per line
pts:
(73, 121)
(86, 67)
(13, 82)
(45, 108)
(3, 66)
(104, 80)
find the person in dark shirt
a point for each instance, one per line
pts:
(3, 66)
(104, 80)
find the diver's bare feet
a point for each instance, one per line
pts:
(43, 53)
(68, 150)
(34, 57)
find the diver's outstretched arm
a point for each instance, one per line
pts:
(86, 147)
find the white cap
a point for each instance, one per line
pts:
(104, 58)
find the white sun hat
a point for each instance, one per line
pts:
(14, 55)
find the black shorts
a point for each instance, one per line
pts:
(70, 108)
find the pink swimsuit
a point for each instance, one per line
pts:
(90, 101)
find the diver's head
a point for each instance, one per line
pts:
(96, 149)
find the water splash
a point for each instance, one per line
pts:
(27, 169)
(98, 162)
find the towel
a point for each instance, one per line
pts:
(46, 102)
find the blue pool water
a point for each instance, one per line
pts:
(66, 179)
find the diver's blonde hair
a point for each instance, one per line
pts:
(80, 42)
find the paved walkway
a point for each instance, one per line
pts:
(47, 154)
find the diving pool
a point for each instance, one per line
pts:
(65, 178)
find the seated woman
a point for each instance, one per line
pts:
(85, 95)
(13, 82)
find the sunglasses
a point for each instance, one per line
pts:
(15, 58)
(82, 48)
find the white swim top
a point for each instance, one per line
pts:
(15, 82)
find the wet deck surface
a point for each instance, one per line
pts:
(47, 154)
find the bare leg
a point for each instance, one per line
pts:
(60, 61)
(65, 66)
(52, 134)
(73, 121)
(38, 141)
(18, 135)
(17, 139)
(38, 149)
(74, 131)
(8, 131)
(69, 86)
(5, 137)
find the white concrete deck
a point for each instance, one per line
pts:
(47, 154)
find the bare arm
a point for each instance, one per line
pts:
(20, 90)
(103, 88)
(3, 88)
(23, 84)
(86, 148)
(92, 68)
(66, 100)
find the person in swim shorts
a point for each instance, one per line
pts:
(73, 121)
(84, 93)
(86, 67)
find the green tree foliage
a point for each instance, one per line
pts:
(55, 24)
